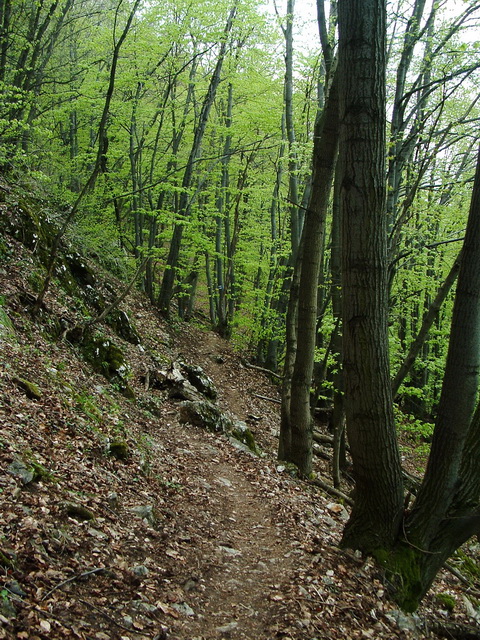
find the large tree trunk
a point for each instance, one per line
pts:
(376, 515)
(446, 511)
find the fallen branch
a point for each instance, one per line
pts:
(109, 618)
(454, 630)
(322, 438)
(257, 395)
(262, 369)
(332, 491)
(77, 577)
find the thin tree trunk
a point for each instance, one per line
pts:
(429, 318)
(325, 153)
(166, 291)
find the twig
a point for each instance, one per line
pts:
(77, 577)
(105, 615)
(257, 395)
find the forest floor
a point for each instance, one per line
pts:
(188, 538)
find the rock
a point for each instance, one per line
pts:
(405, 621)
(14, 587)
(240, 446)
(204, 414)
(78, 512)
(184, 608)
(113, 501)
(140, 570)
(108, 359)
(121, 324)
(183, 391)
(199, 379)
(230, 551)
(32, 390)
(144, 607)
(226, 629)
(146, 512)
(79, 269)
(242, 433)
(20, 470)
(128, 621)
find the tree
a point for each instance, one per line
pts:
(446, 512)
(377, 512)
(166, 291)
(296, 421)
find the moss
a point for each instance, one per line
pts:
(108, 359)
(243, 434)
(5, 561)
(32, 390)
(7, 330)
(119, 449)
(41, 473)
(446, 601)
(404, 573)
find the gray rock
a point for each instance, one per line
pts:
(184, 608)
(146, 512)
(20, 470)
(128, 621)
(405, 621)
(144, 607)
(227, 628)
(14, 587)
(113, 501)
(206, 415)
(199, 379)
(140, 570)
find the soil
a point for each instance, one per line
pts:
(190, 537)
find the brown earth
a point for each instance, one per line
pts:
(190, 538)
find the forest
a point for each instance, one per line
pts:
(305, 187)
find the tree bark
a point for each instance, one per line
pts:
(376, 515)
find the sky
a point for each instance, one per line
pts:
(305, 25)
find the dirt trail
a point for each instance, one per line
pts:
(242, 552)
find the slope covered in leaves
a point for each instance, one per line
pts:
(121, 522)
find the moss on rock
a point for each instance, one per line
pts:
(31, 389)
(119, 449)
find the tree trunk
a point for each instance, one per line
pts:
(376, 515)
(446, 511)
(325, 154)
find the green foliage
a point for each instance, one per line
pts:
(413, 427)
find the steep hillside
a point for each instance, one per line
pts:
(123, 517)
